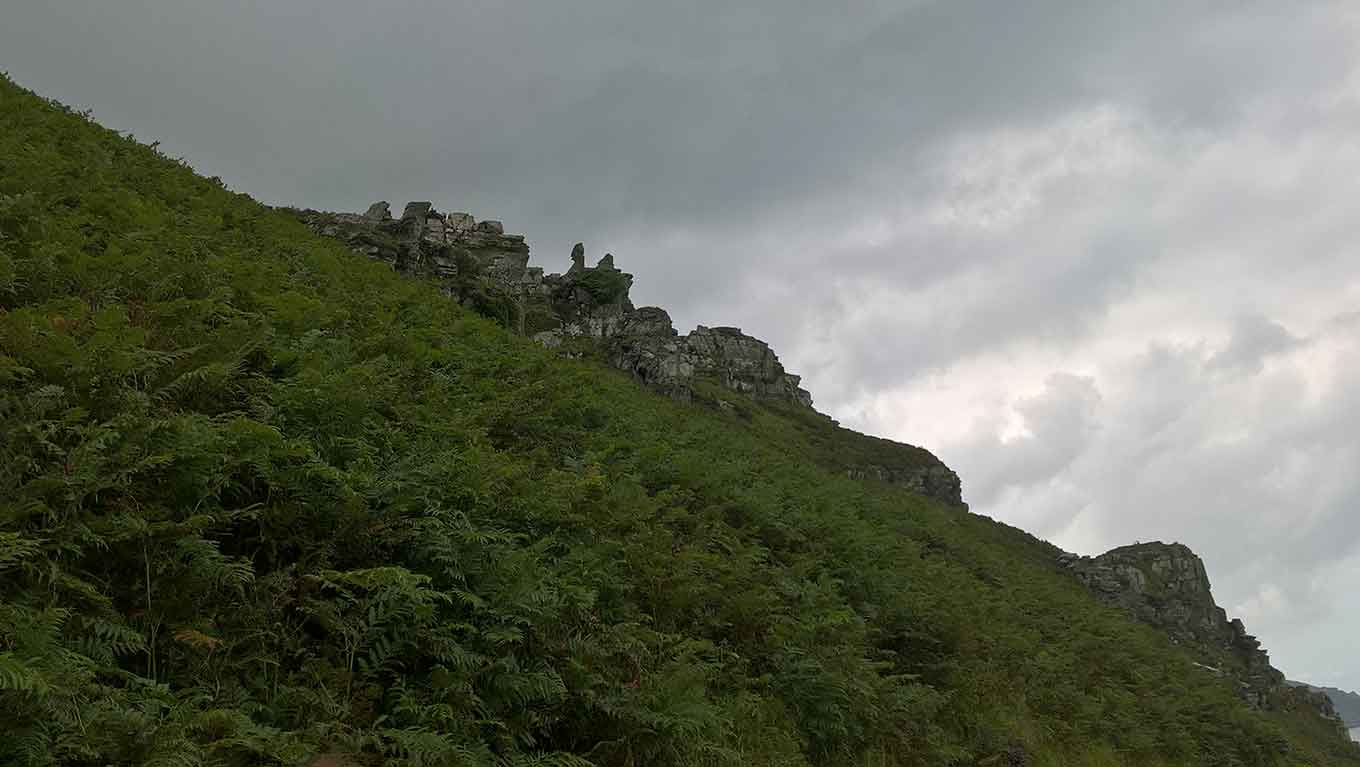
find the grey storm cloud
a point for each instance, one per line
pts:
(1254, 338)
(1100, 257)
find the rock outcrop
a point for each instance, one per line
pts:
(426, 241)
(589, 302)
(1166, 586)
(589, 308)
(930, 478)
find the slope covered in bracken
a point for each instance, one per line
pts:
(262, 499)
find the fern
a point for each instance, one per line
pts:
(423, 748)
(18, 676)
(15, 548)
(175, 751)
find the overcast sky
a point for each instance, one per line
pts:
(1101, 258)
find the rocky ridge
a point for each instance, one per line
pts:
(1166, 586)
(481, 266)
(590, 302)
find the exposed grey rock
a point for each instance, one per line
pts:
(650, 321)
(742, 363)
(460, 222)
(931, 479)
(589, 302)
(416, 211)
(379, 212)
(1166, 586)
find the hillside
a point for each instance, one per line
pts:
(1347, 704)
(262, 499)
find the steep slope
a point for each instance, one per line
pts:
(261, 499)
(1166, 586)
(1346, 704)
(587, 311)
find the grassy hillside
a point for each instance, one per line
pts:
(262, 499)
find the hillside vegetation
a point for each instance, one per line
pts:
(262, 499)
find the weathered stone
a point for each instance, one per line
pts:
(379, 212)
(578, 258)
(491, 227)
(740, 362)
(1166, 586)
(416, 211)
(460, 222)
(929, 478)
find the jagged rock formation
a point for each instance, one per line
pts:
(481, 266)
(1166, 586)
(585, 302)
(1346, 704)
(933, 479)
(427, 242)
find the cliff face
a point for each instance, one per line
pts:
(1166, 586)
(480, 265)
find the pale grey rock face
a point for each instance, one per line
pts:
(379, 212)
(586, 302)
(460, 222)
(933, 480)
(1166, 586)
(740, 362)
(416, 211)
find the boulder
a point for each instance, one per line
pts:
(418, 211)
(378, 212)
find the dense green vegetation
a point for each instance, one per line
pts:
(261, 498)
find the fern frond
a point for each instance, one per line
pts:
(18, 676)
(15, 548)
(176, 752)
(31, 746)
(197, 639)
(423, 748)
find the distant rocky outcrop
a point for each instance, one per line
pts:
(1346, 704)
(427, 242)
(480, 265)
(586, 302)
(1166, 586)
